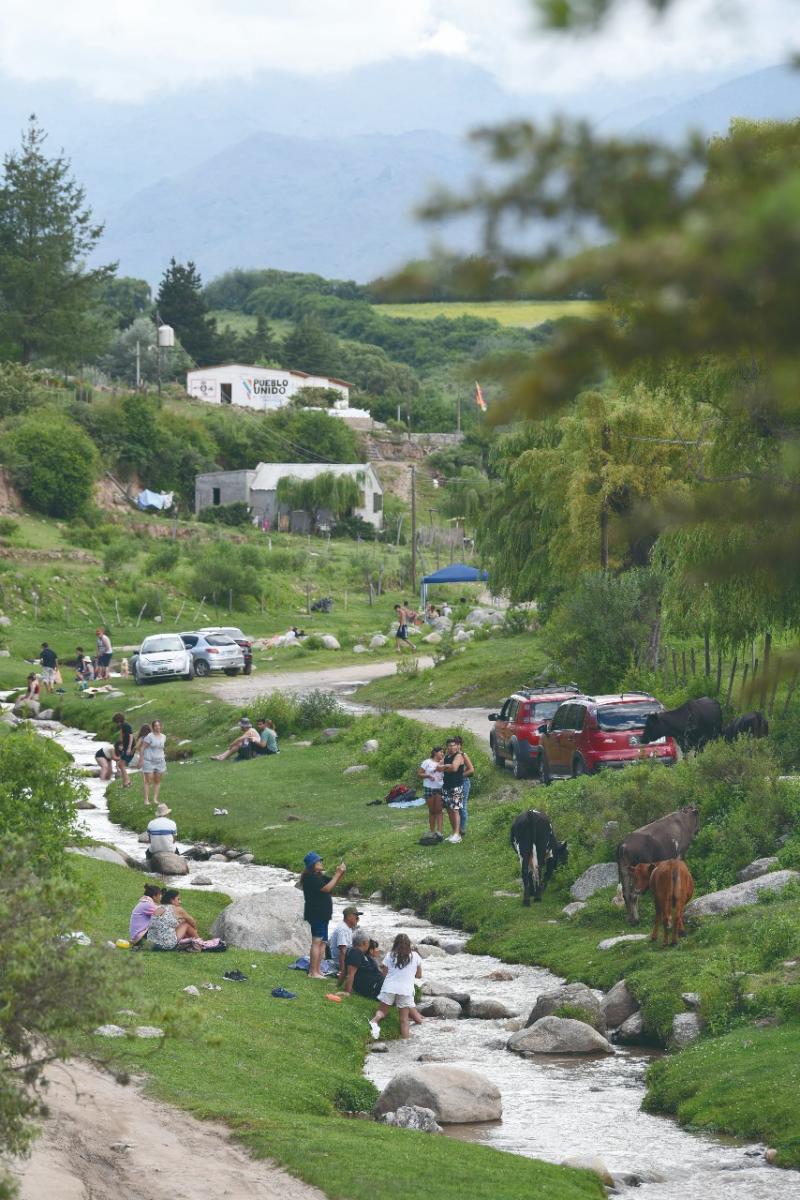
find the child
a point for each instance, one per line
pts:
(403, 966)
(430, 772)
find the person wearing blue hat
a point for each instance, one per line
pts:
(318, 906)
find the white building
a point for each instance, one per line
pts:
(260, 388)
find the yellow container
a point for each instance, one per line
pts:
(122, 944)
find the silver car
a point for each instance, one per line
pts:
(162, 656)
(213, 652)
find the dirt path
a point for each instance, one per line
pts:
(170, 1155)
(242, 688)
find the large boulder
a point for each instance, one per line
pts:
(271, 921)
(759, 866)
(601, 875)
(330, 642)
(165, 863)
(433, 639)
(440, 1006)
(430, 951)
(741, 894)
(632, 1032)
(618, 1004)
(456, 1096)
(686, 1028)
(559, 1035)
(441, 624)
(106, 854)
(489, 1010)
(577, 995)
(26, 708)
(377, 640)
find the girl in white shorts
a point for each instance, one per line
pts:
(403, 965)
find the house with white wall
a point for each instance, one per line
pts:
(258, 488)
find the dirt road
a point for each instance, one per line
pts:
(103, 1141)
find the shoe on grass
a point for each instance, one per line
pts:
(375, 1030)
(454, 837)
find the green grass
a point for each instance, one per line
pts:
(271, 1070)
(245, 323)
(482, 675)
(522, 313)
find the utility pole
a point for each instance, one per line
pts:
(138, 367)
(458, 413)
(413, 528)
(605, 445)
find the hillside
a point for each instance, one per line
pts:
(772, 94)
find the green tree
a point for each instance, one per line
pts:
(48, 297)
(21, 389)
(119, 360)
(127, 298)
(53, 463)
(180, 303)
(326, 493)
(310, 347)
(260, 346)
(38, 790)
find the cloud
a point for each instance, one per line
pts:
(120, 50)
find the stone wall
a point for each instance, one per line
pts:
(407, 447)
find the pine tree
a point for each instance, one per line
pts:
(48, 299)
(310, 347)
(181, 304)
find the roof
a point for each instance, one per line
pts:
(276, 370)
(621, 698)
(268, 474)
(456, 573)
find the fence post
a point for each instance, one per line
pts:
(765, 675)
(719, 670)
(683, 665)
(790, 692)
(707, 652)
(730, 681)
(693, 663)
(675, 667)
(743, 684)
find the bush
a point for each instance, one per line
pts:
(53, 463)
(8, 527)
(293, 714)
(722, 1000)
(576, 1012)
(236, 513)
(357, 1095)
(775, 938)
(38, 794)
(163, 559)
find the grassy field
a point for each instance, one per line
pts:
(245, 323)
(278, 1071)
(525, 314)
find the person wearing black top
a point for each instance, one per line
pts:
(124, 746)
(452, 787)
(318, 906)
(362, 974)
(49, 660)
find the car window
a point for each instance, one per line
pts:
(236, 634)
(189, 640)
(513, 708)
(219, 639)
(544, 710)
(159, 645)
(558, 719)
(504, 710)
(617, 717)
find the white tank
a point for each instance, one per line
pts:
(166, 336)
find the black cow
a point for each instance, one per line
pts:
(669, 837)
(692, 725)
(539, 851)
(752, 724)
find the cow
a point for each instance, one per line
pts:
(753, 724)
(539, 852)
(692, 725)
(669, 837)
(673, 887)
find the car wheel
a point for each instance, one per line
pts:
(519, 766)
(579, 768)
(201, 668)
(248, 669)
(544, 770)
(232, 670)
(498, 760)
(189, 675)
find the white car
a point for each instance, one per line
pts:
(213, 652)
(162, 656)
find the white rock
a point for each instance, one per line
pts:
(559, 1035)
(271, 921)
(455, 1096)
(759, 866)
(432, 639)
(691, 999)
(618, 1004)
(359, 649)
(590, 1162)
(461, 636)
(377, 640)
(686, 1028)
(330, 642)
(356, 769)
(5, 621)
(431, 951)
(413, 1116)
(191, 990)
(741, 894)
(149, 1031)
(109, 1031)
(370, 746)
(610, 943)
(431, 988)
(631, 1031)
(601, 875)
(572, 910)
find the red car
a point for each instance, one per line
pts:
(516, 727)
(588, 733)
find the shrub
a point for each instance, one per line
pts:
(775, 937)
(163, 559)
(357, 1095)
(8, 527)
(314, 642)
(293, 714)
(38, 794)
(53, 463)
(722, 1000)
(236, 513)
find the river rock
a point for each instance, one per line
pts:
(420, 923)
(165, 863)
(330, 734)
(501, 976)
(356, 769)
(618, 1004)
(330, 642)
(270, 921)
(217, 858)
(201, 881)
(370, 745)
(691, 999)
(46, 714)
(440, 1006)
(109, 1031)
(430, 951)
(432, 639)
(741, 894)
(144, 838)
(601, 875)
(576, 994)
(377, 640)
(431, 988)
(456, 1096)
(26, 708)
(631, 1032)
(83, 805)
(376, 897)
(490, 1010)
(559, 1035)
(453, 947)
(247, 858)
(104, 854)
(572, 910)
(686, 1028)
(590, 1162)
(759, 866)
(413, 1116)
(610, 943)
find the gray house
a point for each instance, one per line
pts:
(258, 488)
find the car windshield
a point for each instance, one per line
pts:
(160, 645)
(545, 709)
(615, 717)
(219, 639)
(236, 634)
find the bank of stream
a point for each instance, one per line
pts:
(553, 1107)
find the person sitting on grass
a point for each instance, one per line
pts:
(247, 736)
(403, 966)
(171, 924)
(143, 912)
(342, 938)
(363, 975)
(84, 668)
(34, 687)
(267, 737)
(318, 906)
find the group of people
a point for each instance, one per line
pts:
(355, 955)
(446, 782)
(145, 750)
(252, 741)
(160, 919)
(86, 668)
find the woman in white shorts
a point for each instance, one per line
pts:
(403, 965)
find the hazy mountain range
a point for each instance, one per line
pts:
(323, 174)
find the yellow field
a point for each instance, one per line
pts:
(524, 314)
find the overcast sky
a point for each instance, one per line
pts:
(128, 49)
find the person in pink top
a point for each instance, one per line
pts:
(143, 913)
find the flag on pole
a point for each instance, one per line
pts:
(479, 400)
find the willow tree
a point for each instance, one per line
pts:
(326, 493)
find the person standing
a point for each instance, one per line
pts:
(49, 661)
(342, 938)
(401, 636)
(403, 967)
(452, 787)
(104, 651)
(430, 772)
(124, 746)
(466, 786)
(318, 906)
(154, 762)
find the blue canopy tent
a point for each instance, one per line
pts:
(455, 573)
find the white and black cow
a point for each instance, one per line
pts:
(539, 851)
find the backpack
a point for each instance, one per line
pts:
(399, 793)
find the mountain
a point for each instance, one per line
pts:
(341, 207)
(770, 94)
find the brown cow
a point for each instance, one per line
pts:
(669, 837)
(673, 887)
